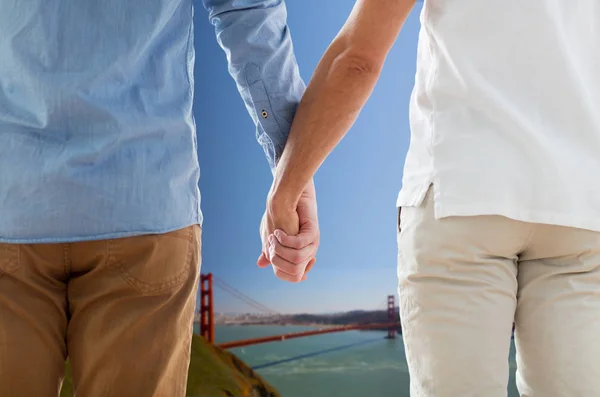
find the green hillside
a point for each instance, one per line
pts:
(213, 373)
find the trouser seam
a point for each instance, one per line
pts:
(67, 259)
(527, 240)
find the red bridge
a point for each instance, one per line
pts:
(207, 323)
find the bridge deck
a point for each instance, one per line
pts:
(279, 338)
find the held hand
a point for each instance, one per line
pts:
(290, 236)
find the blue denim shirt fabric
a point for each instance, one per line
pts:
(97, 135)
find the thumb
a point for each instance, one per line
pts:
(263, 261)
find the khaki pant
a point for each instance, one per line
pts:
(462, 282)
(121, 310)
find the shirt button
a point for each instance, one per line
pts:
(264, 114)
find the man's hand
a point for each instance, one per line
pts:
(290, 235)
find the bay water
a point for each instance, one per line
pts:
(345, 364)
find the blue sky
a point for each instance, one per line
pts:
(356, 187)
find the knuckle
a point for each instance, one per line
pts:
(277, 248)
(277, 262)
(289, 241)
(296, 257)
(289, 268)
(300, 243)
(280, 249)
(304, 241)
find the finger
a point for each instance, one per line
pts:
(295, 256)
(308, 267)
(287, 277)
(290, 268)
(308, 235)
(263, 261)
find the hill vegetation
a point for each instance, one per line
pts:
(213, 373)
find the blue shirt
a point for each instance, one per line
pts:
(97, 135)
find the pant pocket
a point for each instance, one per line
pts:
(9, 258)
(155, 263)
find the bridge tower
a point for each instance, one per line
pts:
(207, 324)
(391, 317)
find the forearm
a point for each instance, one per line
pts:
(340, 87)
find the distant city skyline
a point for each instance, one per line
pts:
(356, 187)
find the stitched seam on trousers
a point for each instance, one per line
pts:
(151, 288)
(67, 259)
(528, 239)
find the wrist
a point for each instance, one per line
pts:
(289, 182)
(282, 196)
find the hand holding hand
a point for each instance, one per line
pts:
(290, 235)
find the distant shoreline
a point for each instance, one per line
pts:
(316, 326)
(281, 325)
(357, 317)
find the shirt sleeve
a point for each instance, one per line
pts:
(256, 39)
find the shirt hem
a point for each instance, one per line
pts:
(414, 194)
(96, 237)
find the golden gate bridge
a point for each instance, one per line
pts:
(205, 317)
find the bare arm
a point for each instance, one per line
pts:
(340, 87)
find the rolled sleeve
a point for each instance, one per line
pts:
(256, 39)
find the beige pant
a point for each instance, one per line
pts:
(462, 282)
(122, 310)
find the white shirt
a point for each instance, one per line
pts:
(505, 112)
